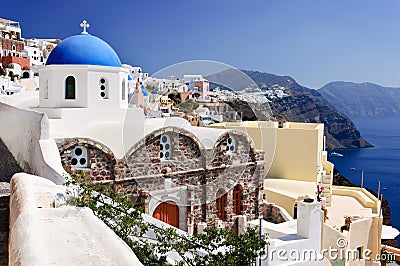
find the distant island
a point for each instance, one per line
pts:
(362, 99)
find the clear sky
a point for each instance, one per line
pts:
(315, 42)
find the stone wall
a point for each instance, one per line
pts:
(101, 160)
(273, 214)
(7, 44)
(144, 158)
(199, 171)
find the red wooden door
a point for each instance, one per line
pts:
(167, 212)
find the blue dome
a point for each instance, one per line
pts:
(83, 49)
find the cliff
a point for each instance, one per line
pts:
(362, 99)
(286, 100)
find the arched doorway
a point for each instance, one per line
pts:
(167, 212)
(25, 75)
(237, 200)
(221, 201)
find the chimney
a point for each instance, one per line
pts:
(309, 219)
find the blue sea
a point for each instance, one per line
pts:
(381, 163)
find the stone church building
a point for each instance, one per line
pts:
(182, 175)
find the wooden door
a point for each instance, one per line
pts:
(167, 212)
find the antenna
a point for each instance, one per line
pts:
(362, 178)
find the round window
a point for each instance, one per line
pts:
(78, 151)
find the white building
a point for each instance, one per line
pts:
(42, 47)
(35, 55)
(8, 87)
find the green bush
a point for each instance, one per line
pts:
(219, 247)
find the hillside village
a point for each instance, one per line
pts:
(172, 147)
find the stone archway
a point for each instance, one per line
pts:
(167, 212)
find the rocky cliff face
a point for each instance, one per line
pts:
(362, 99)
(289, 101)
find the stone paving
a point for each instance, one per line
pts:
(4, 222)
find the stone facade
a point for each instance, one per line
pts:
(192, 169)
(273, 214)
(7, 44)
(100, 158)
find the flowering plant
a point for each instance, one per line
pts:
(320, 189)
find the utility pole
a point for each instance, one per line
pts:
(379, 188)
(259, 258)
(362, 178)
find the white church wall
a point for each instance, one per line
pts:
(116, 128)
(113, 87)
(88, 92)
(22, 131)
(52, 86)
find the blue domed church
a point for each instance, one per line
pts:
(80, 72)
(181, 174)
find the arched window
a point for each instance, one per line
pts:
(231, 145)
(46, 90)
(70, 88)
(237, 200)
(123, 89)
(165, 147)
(221, 204)
(79, 157)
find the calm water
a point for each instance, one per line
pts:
(379, 164)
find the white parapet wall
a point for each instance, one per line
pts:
(45, 231)
(26, 135)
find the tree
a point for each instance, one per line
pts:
(175, 97)
(188, 106)
(214, 247)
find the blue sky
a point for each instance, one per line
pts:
(315, 42)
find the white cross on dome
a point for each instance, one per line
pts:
(84, 25)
